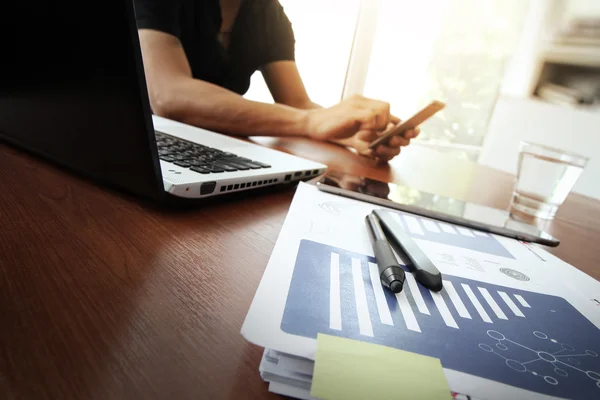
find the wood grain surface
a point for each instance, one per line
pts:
(106, 296)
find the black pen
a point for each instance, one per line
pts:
(422, 268)
(391, 274)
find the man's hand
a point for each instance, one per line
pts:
(384, 152)
(355, 123)
(347, 118)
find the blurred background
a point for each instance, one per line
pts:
(508, 70)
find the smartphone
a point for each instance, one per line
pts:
(433, 206)
(410, 123)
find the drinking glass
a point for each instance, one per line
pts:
(544, 179)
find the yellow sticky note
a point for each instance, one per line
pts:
(350, 369)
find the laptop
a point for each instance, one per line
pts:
(72, 90)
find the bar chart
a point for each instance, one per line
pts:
(473, 327)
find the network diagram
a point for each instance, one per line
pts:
(562, 362)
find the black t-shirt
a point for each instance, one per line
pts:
(261, 34)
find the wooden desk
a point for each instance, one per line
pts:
(104, 296)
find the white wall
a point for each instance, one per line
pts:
(523, 69)
(545, 18)
(516, 119)
(582, 8)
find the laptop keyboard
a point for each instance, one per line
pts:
(201, 159)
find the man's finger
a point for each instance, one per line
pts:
(380, 113)
(378, 120)
(367, 153)
(366, 118)
(398, 141)
(367, 135)
(412, 133)
(389, 127)
(386, 153)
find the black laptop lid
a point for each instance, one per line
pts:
(72, 89)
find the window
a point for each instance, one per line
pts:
(453, 50)
(324, 31)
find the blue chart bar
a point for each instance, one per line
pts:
(335, 309)
(525, 339)
(382, 308)
(456, 300)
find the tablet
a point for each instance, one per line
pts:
(431, 206)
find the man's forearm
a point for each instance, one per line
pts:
(211, 107)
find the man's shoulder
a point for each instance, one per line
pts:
(266, 11)
(168, 6)
(166, 14)
(270, 4)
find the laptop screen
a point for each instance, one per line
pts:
(72, 89)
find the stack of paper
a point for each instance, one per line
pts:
(512, 321)
(286, 374)
(348, 369)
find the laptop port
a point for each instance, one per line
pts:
(208, 187)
